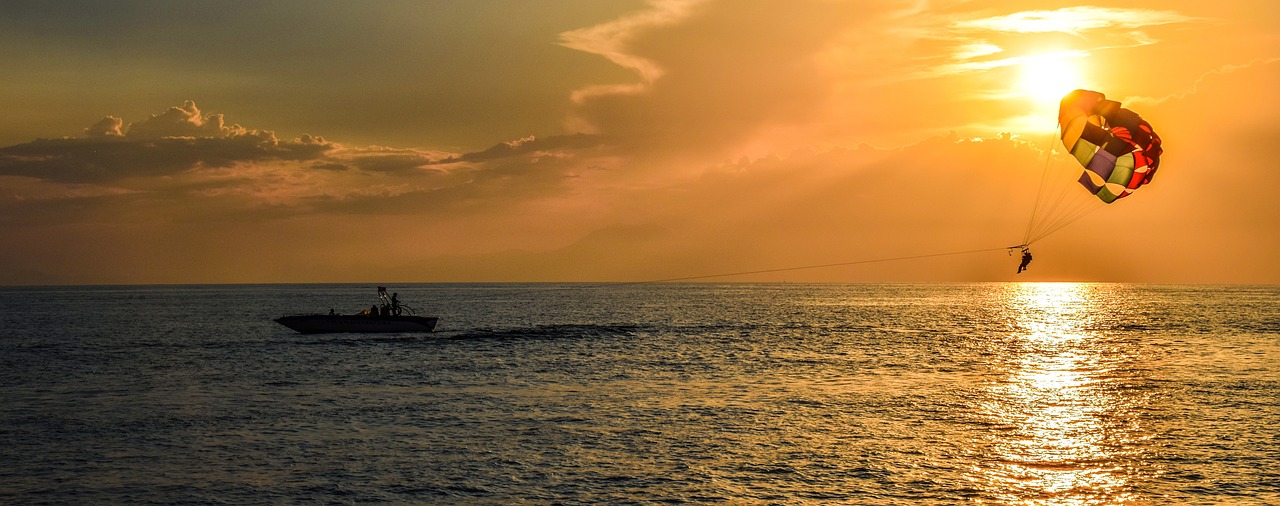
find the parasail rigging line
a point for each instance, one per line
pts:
(1056, 204)
(808, 267)
(1044, 178)
(1054, 207)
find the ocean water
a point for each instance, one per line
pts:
(996, 393)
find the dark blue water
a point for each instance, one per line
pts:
(576, 394)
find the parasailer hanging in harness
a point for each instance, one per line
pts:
(1118, 152)
(1026, 260)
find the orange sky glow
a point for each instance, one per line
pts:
(610, 140)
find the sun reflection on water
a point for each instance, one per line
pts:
(1060, 431)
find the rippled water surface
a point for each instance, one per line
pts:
(571, 394)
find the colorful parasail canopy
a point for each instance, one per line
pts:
(1118, 149)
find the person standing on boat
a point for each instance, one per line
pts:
(384, 305)
(395, 304)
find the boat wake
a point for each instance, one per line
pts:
(547, 332)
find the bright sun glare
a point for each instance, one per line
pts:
(1045, 78)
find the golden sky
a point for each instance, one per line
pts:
(600, 140)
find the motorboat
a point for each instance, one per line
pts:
(331, 323)
(386, 316)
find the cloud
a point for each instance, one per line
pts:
(612, 40)
(975, 49)
(532, 146)
(1075, 20)
(971, 63)
(717, 76)
(971, 43)
(386, 160)
(183, 121)
(108, 127)
(181, 139)
(205, 170)
(1213, 74)
(184, 152)
(109, 158)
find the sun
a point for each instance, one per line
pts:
(1045, 78)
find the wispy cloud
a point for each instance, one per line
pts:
(958, 44)
(612, 39)
(1075, 20)
(972, 64)
(975, 50)
(1220, 71)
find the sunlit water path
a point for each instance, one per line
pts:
(747, 393)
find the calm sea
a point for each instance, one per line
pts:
(651, 393)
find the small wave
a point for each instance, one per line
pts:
(1062, 465)
(768, 469)
(365, 340)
